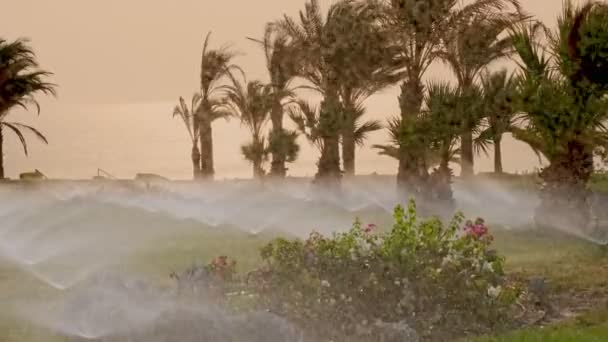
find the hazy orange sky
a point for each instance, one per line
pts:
(141, 55)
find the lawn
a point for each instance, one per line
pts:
(577, 272)
(590, 327)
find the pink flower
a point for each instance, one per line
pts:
(369, 228)
(477, 229)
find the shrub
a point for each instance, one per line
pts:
(440, 280)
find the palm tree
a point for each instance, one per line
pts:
(476, 41)
(189, 116)
(20, 80)
(252, 103)
(282, 68)
(418, 30)
(216, 65)
(564, 105)
(499, 93)
(332, 50)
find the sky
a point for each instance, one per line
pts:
(121, 65)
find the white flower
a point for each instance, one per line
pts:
(364, 246)
(353, 255)
(448, 259)
(487, 267)
(494, 292)
(325, 283)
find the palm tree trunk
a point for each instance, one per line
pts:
(277, 165)
(564, 196)
(467, 157)
(348, 148)
(409, 179)
(206, 138)
(329, 172)
(497, 155)
(258, 171)
(411, 97)
(410, 101)
(196, 161)
(1, 153)
(441, 199)
(466, 153)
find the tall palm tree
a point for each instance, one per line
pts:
(332, 50)
(252, 103)
(189, 116)
(499, 94)
(564, 105)
(477, 40)
(20, 81)
(282, 68)
(418, 30)
(216, 66)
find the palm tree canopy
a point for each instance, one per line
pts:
(20, 77)
(581, 43)
(345, 45)
(251, 102)
(420, 26)
(499, 94)
(279, 55)
(188, 115)
(561, 105)
(476, 41)
(215, 65)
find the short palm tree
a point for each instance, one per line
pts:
(499, 93)
(216, 66)
(431, 138)
(252, 103)
(20, 81)
(189, 116)
(282, 69)
(564, 105)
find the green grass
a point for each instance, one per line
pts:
(577, 271)
(163, 256)
(572, 266)
(591, 327)
(570, 263)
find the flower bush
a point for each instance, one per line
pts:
(442, 280)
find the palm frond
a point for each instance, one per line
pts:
(362, 131)
(20, 78)
(388, 150)
(17, 127)
(306, 117)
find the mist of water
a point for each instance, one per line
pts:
(65, 234)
